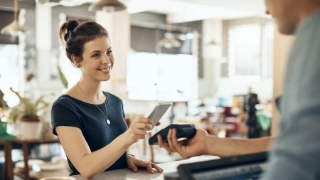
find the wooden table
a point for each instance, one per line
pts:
(25, 143)
(127, 174)
(8, 166)
(7, 172)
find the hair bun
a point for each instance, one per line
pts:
(72, 24)
(66, 36)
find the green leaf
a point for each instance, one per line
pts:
(27, 107)
(62, 77)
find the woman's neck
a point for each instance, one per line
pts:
(90, 89)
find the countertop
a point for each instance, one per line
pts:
(127, 174)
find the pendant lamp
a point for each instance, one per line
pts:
(14, 27)
(169, 41)
(108, 5)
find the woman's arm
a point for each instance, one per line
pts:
(86, 162)
(90, 163)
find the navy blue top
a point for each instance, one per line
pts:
(69, 111)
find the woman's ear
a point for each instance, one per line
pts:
(76, 61)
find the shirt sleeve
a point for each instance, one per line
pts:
(123, 113)
(64, 114)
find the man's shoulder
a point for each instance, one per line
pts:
(309, 24)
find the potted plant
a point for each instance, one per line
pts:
(12, 125)
(28, 113)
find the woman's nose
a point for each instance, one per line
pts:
(106, 60)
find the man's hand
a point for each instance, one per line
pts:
(192, 147)
(135, 163)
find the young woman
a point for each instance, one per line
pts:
(88, 121)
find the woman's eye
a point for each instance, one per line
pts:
(109, 52)
(96, 55)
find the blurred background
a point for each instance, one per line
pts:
(220, 62)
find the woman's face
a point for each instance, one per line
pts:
(97, 58)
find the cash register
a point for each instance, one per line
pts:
(242, 167)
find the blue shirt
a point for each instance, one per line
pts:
(69, 111)
(296, 153)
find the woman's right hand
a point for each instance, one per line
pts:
(137, 129)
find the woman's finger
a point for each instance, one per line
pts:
(139, 131)
(139, 125)
(145, 165)
(149, 167)
(132, 166)
(160, 170)
(143, 120)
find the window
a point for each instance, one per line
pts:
(162, 77)
(250, 51)
(10, 72)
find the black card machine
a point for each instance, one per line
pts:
(183, 131)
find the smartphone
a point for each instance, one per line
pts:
(157, 114)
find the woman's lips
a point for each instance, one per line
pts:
(104, 70)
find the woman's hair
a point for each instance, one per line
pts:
(74, 35)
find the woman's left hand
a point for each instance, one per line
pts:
(135, 163)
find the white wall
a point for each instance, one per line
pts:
(211, 30)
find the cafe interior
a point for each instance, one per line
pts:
(206, 58)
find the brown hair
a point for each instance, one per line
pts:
(74, 35)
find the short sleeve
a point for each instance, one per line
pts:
(123, 113)
(64, 113)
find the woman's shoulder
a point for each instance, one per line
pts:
(64, 100)
(112, 97)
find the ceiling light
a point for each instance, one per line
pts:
(213, 42)
(52, 3)
(48, 2)
(108, 6)
(13, 28)
(169, 41)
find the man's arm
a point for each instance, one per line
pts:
(204, 144)
(230, 147)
